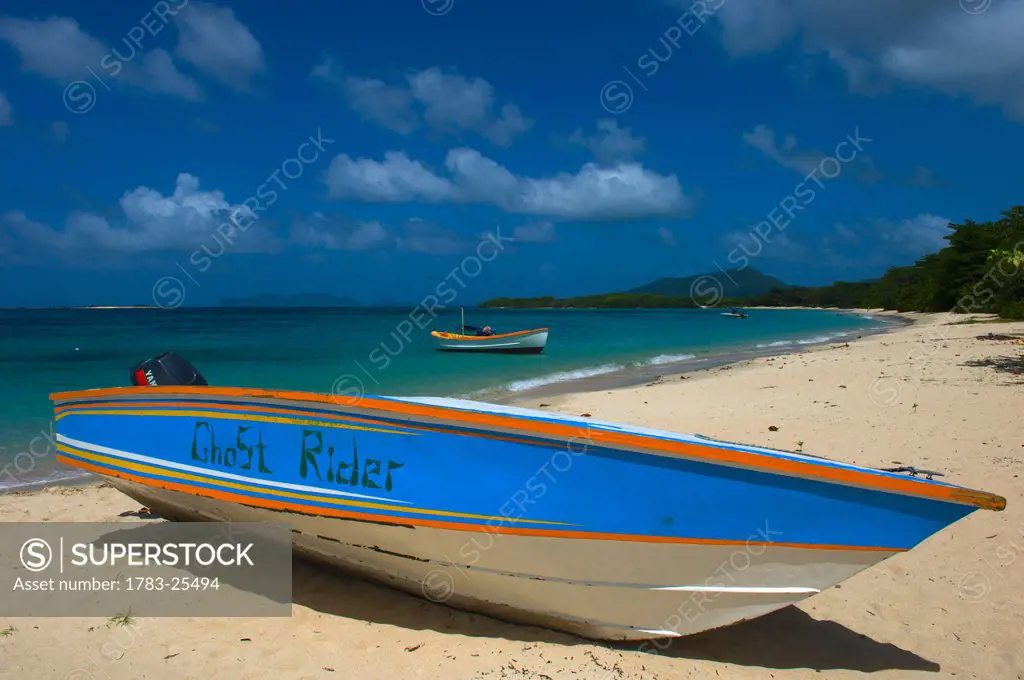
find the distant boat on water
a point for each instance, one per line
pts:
(735, 313)
(476, 339)
(517, 342)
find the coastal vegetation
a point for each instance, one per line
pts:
(981, 270)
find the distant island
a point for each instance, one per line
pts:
(728, 287)
(980, 271)
(294, 300)
(117, 307)
(735, 283)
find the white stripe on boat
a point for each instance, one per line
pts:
(158, 462)
(738, 589)
(492, 346)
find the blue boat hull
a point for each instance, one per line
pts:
(595, 528)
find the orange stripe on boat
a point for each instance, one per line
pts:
(456, 336)
(145, 469)
(763, 462)
(438, 524)
(126, 408)
(266, 408)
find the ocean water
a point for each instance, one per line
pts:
(375, 351)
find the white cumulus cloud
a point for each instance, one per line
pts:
(447, 103)
(58, 49)
(620, 192)
(214, 41)
(787, 153)
(338, 232)
(880, 43)
(610, 144)
(148, 222)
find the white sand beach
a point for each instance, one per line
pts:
(931, 394)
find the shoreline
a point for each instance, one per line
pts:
(33, 486)
(634, 376)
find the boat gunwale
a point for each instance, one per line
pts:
(824, 470)
(442, 335)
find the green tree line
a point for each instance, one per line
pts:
(981, 270)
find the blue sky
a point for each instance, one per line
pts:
(612, 142)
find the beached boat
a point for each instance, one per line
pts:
(608, 531)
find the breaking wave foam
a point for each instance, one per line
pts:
(591, 372)
(816, 340)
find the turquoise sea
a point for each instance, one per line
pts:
(379, 351)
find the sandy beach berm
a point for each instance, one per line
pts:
(934, 394)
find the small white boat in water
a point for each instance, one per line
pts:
(474, 339)
(735, 313)
(519, 342)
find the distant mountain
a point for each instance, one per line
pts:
(727, 287)
(296, 300)
(735, 283)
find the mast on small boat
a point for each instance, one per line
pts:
(462, 329)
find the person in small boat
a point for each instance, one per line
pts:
(486, 330)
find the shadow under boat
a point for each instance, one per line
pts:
(785, 639)
(788, 638)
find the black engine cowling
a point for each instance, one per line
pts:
(166, 369)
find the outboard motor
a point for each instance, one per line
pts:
(166, 369)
